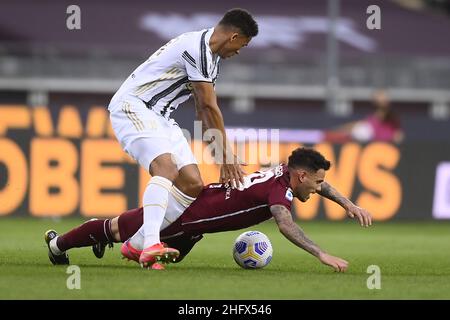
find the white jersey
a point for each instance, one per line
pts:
(163, 81)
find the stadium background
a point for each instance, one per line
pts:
(59, 157)
(60, 164)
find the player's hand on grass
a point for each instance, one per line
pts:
(364, 217)
(232, 173)
(338, 264)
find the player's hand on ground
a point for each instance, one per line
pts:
(232, 173)
(338, 264)
(364, 217)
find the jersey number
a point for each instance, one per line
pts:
(255, 178)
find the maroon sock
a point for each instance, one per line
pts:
(88, 234)
(130, 222)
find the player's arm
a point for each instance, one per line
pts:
(327, 191)
(209, 113)
(292, 231)
(295, 234)
(207, 109)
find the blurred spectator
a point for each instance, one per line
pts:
(382, 125)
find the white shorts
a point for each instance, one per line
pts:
(145, 135)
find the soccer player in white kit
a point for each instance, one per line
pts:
(140, 116)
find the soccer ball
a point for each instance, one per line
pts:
(252, 250)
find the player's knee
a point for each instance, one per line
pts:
(170, 173)
(191, 187)
(163, 166)
(196, 187)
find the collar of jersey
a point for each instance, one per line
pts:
(207, 37)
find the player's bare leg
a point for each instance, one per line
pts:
(189, 181)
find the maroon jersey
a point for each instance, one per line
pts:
(221, 208)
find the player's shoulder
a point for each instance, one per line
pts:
(272, 178)
(280, 191)
(192, 37)
(280, 178)
(280, 171)
(192, 40)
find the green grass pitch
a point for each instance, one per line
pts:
(414, 259)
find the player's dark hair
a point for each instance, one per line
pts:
(309, 159)
(241, 19)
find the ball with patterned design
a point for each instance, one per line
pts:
(252, 250)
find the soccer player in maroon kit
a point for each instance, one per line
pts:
(264, 194)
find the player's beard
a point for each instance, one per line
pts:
(304, 198)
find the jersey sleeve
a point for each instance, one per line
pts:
(282, 196)
(196, 69)
(195, 59)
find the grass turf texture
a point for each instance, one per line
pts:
(413, 257)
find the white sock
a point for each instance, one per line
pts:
(156, 196)
(54, 248)
(137, 240)
(177, 204)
